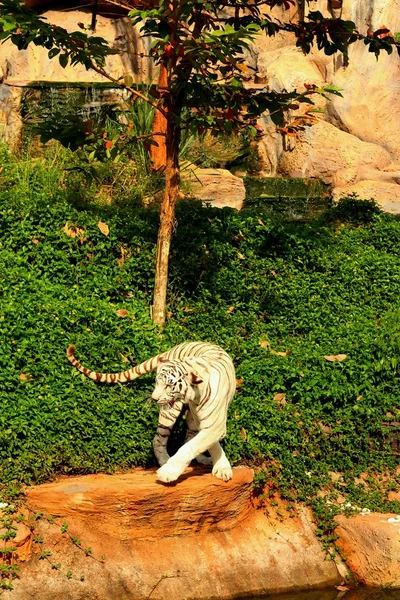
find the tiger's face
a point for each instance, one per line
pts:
(174, 382)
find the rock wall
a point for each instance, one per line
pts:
(368, 112)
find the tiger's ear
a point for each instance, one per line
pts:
(195, 379)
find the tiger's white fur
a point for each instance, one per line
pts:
(198, 375)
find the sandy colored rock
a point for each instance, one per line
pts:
(289, 69)
(23, 66)
(370, 107)
(219, 544)
(321, 150)
(353, 175)
(387, 195)
(270, 147)
(10, 120)
(372, 546)
(217, 187)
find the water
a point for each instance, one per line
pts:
(359, 593)
(292, 199)
(40, 101)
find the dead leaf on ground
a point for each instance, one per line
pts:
(286, 353)
(230, 309)
(335, 357)
(342, 588)
(25, 377)
(122, 312)
(243, 434)
(123, 257)
(326, 429)
(239, 382)
(236, 415)
(35, 241)
(73, 230)
(264, 344)
(104, 228)
(280, 398)
(124, 358)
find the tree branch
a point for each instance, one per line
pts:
(134, 92)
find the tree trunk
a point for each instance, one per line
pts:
(158, 154)
(167, 216)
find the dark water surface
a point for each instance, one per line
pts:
(293, 199)
(359, 593)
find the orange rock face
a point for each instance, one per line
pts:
(372, 546)
(22, 542)
(136, 506)
(196, 539)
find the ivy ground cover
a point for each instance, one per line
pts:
(309, 312)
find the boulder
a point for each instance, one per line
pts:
(370, 106)
(349, 176)
(322, 150)
(286, 69)
(387, 195)
(128, 536)
(22, 542)
(135, 506)
(217, 187)
(289, 70)
(372, 546)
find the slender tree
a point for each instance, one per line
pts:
(201, 49)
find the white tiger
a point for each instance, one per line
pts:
(196, 374)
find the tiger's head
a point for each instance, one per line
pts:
(175, 381)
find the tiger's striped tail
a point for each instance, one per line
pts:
(122, 377)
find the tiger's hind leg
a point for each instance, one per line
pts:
(192, 431)
(201, 442)
(166, 420)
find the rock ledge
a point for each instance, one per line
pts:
(200, 538)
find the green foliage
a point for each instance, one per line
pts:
(353, 211)
(212, 151)
(278, 297)
(224, 151)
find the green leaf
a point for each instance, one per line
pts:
(63, 60)
(128, 80)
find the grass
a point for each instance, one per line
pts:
(278, 297)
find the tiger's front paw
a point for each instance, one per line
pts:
(168, 473)
(223, 472)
